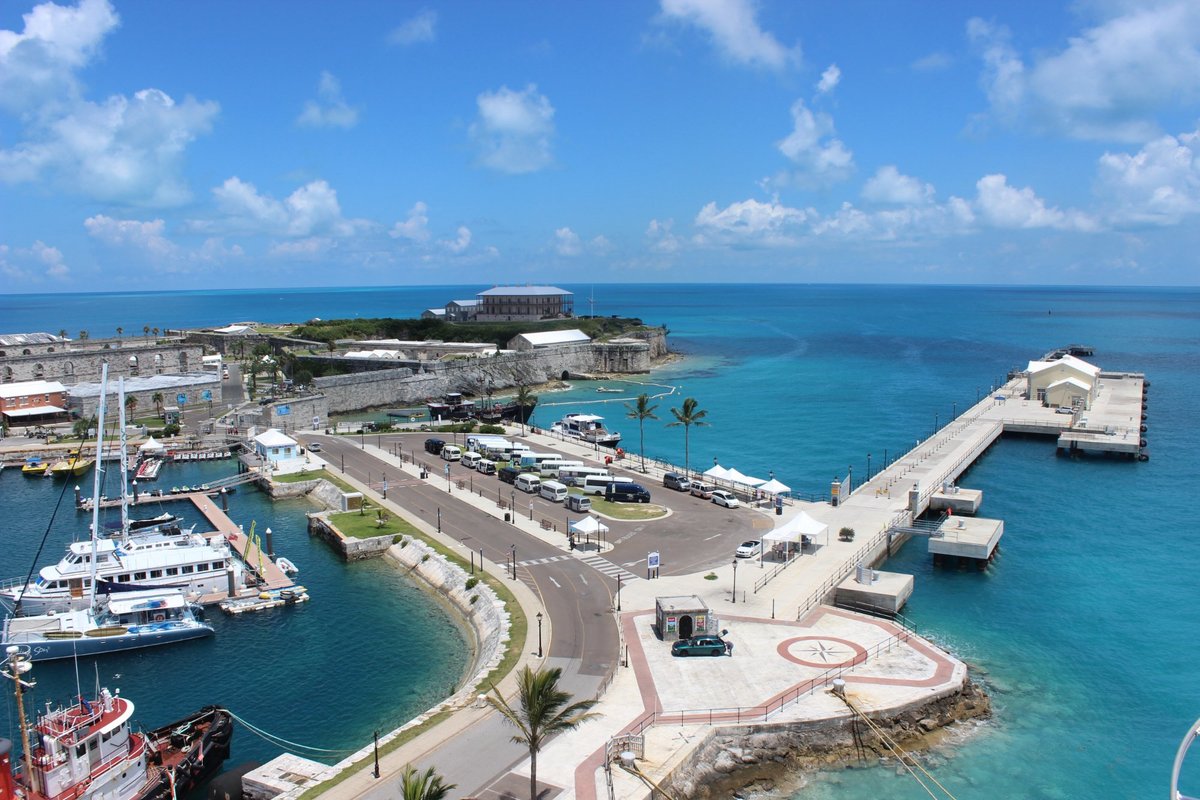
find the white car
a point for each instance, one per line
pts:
(748, 549)
(724, 498)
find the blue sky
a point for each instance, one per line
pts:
(223, 143)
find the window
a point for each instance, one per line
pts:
(81, 750)
(218, 565)
(172, 570)
(188, 569)
(156, 573)
(139, 576)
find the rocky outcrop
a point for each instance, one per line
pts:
(733, 761)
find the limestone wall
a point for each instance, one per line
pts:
(77, 362)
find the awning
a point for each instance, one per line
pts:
(36, 411)
(734, 476)
(775, 487)
(718, 472)
(589, 525)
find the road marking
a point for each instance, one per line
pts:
(633, 563)
(557, 585)
(714, 536)
(582, 578)
(534, 562)
(606, 567)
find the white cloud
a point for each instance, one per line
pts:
(306, 249)
(933, 62)
(821, 159)
(1159, 184)
(513, 131)
(51, 258)
(1108, 82)
(22, 265)
(421, 28)
(829, 79)
(567, 242)
(734, 30)
(145, 237)
(330, 109)
(767, 223)
(310, 210)
(460, 243)
(416, 227)
(662, 240)
(1005, 206)
(888, 185)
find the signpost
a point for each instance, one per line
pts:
(652, 564)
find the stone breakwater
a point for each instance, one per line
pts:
(737, 761)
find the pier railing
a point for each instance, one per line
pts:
(838, 575)
(780, 567)
(763, 712)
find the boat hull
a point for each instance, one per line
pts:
(192, 761)
(114, 640)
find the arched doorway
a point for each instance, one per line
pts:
(686, 626)
(566, 375)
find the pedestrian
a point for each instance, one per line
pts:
(728, 648)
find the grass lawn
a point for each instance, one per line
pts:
(312, 475)
(626, 511)
(366, 525)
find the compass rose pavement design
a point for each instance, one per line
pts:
(822, 651)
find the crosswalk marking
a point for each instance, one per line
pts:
(606, 567)
(533, 562)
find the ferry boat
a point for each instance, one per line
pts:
(453, 407)
(588, 427)
(109, 624)
(90, 750)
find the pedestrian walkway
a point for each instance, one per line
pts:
(533, 562)
(606, 567)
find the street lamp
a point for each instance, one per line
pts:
(531, 511)
(439, 519)
(385, 486)
(539, 619)
(735, 580)
(512, 503)
(618, 591)
(868, 466)
(514, 561)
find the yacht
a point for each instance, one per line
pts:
(587, 427)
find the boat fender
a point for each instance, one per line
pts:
(159, 618)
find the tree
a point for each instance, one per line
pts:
(62, 334)
(146, 331)
(155, 332)
(525, 401)
(687, 416)
(543, 711)
(131, 403)
(83, 335)
(120, 331)
(157, 399)
(641, 411)
(427, 785)
(82, 426)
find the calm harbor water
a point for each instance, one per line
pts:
(1084, 628)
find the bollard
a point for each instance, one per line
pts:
(270, 546)
(224, 500)
(231, 582)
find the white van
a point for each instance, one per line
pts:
(597, 484)
(486, 467)
(471, 459)
(528, 482)
(553, 491)
(574, 475)
(451, 452)
(554, 468)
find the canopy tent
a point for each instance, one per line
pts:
(734, 476)
(775, 487)
(795, 528)
(151, 445)
(718, 472)
(588, 525)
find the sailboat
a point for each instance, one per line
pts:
(144, 554)
(90, 751)
(106, 625)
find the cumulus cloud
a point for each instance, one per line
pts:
(829, 79)
(40, 260)
(310, 210)
(148, 241)
(459, 244)
(733, 27)
(1159, 184)
(330, 109)
(747, 220)
(514, 130)
(421, 28)
(820, 158)
(661, 238)
(933, 62)
(567, 242)
(416, 227)
(1005, 206)
(124, 149)
(888, 185)
(1108, 82)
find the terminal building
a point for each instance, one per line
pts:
(1066, 382)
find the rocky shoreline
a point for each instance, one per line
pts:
(775, 759)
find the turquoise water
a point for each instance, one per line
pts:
(1085, 627)
(368, 652)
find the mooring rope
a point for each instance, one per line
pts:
(900, 753)
(285, 743)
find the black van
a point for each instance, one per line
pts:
(626, 493)
(434, 446)
(508, 474)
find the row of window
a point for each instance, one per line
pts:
(170, 572)
(68, 368)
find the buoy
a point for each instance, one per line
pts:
(1144, 429)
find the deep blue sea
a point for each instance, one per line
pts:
(1085, 628)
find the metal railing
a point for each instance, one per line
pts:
(780, 567)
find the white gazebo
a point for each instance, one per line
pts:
(775, 487)
(151, 447)
(796, 530)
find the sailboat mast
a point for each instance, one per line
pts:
(101, 408)
(18, 665)
(124, 458)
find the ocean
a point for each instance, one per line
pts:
(1084, 629)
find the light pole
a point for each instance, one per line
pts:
(735, 580)
(514, 561)
(439, 519)
(539, 619)
(618, 591)
(868, 467)
(531, 511)
(385, 486)
(512, 503)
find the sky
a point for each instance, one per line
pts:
(189, 145)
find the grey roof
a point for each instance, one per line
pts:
(148, 383)
(16, 339)
(524, 291)
(463, 303)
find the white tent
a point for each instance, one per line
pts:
(589, 525)
(745, 480)
(718, 472)
(775, 487)
(795, 528)
(151, 445)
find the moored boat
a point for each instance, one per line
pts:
(34, 467)
(90, 750)
(74, 464)
(586, 427)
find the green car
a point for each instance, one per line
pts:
(699, 646)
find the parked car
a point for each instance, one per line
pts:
(724, 498)
(508, 474)
(699, 646)
(626, 493)
(702, 490)
(748, 549)
(434, 446)
(673, 480)
(578, 502)
(315, 447)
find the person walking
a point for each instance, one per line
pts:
(728, 648)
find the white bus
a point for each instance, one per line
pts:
(573, 475)
(597, 484)
(506, 451)
(553, 468)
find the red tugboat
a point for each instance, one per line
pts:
(89, 751)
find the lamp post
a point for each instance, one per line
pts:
(735, 580)
(539, 619)
(512, 503)
(439, 519)
(618, 591)
(531, 511)
(868, 467)
(514, 561)
(385, 486)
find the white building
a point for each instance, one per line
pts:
(276, 448)
(1067, 381)
(542, 340)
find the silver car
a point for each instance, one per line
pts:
(724, 498)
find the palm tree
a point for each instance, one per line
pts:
(155, 332)
(120, 331)
(427, 785)
(544, 711)
(525, 401)
(146, 331)
(157, 399)
(687, 416)
(641, 411)
(62, 334)
(130, 406)
(83, 335)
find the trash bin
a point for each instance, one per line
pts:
(507, 517)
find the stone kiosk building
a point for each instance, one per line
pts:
(682, 617)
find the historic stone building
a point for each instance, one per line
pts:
(74, 361)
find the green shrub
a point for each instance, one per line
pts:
(712, 576)
(424, 558)
(472, 582)
(474, 597)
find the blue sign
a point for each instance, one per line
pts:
(283, 411)
(206, 394)
(181, 399)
